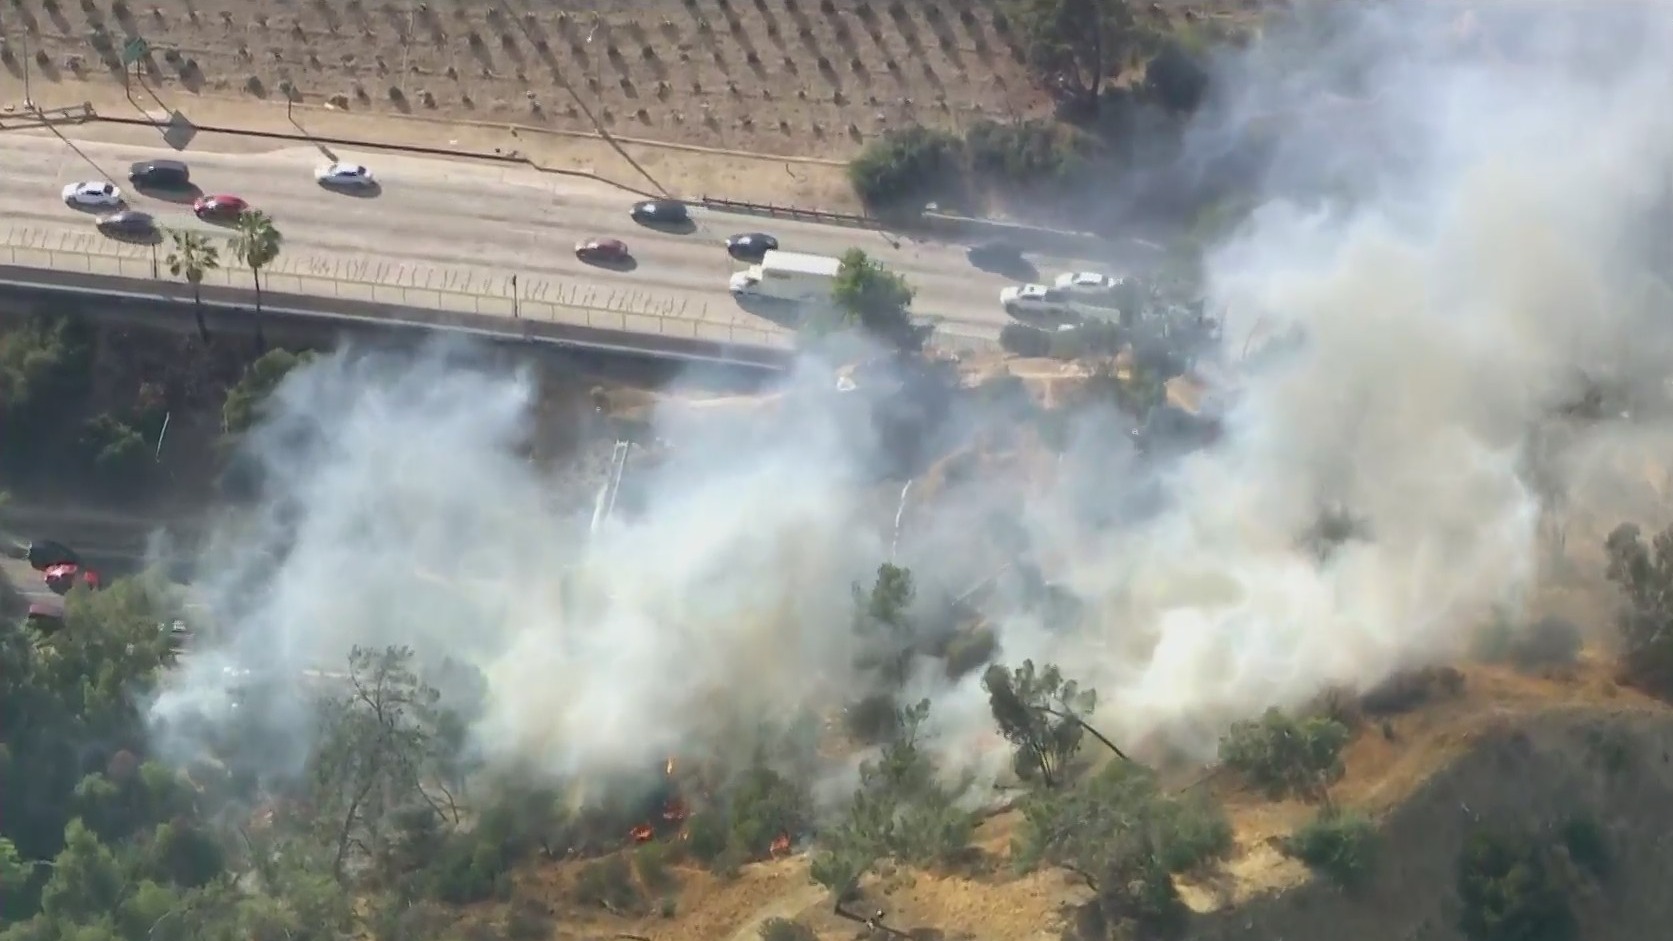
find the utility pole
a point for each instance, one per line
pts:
(516, 312)
(28, 93)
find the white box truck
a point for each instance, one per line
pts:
(788, 276)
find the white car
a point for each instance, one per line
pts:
(98, 194)
(1035, 299)
(344, 174)
(1087, 283)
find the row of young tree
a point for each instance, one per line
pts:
(1075, 51)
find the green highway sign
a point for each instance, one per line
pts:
(135, 50)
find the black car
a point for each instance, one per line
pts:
(128, 223)
(751, 246)
(660, 212)
(164, 174)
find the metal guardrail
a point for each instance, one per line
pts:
(222, 303)
(789, 212)
(949, 225)
(136, 263)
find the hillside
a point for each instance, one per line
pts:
(1501, 750)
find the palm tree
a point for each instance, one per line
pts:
(256, 245)
(191, 258)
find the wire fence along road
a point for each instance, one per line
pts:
(473, 291)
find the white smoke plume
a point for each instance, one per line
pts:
(1458, 233)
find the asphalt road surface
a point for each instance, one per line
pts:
(435, 212)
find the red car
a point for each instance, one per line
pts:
(601, 250)
(64, 576)
(219, 207)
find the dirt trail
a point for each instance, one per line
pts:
(788, 906)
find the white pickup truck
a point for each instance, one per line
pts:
(788, 276)
(1072, 295)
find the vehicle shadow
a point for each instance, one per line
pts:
(622, 265)
(683, 227)
(370, 191)
(180, 195)
(87, 210)
(153, 237)
(786, 314)
(1020, 269)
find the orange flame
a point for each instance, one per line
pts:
(781, 845)
(668, 767)
(675, 811)
(641, 834)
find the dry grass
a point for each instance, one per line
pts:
(770, 76)
(1385, 765)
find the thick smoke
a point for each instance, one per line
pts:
(1459, 239)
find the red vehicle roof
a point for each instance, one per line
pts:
(220, 202)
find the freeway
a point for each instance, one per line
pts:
(459, 225)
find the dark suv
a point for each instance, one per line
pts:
(163, 174)
(660, 212)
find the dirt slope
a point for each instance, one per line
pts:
(1506, 748)
(1531, 771)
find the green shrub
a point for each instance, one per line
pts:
(1587, 845)
(651, 861)
(1176, 79)
(246, 400)
(1022, 340)
(905, 166)
(1609, 749)
(527, 921)
(785, 929)
(765, 805)
(1093, 338)
(706, 836)
(1508, 891)
(1548, 642)
(467, 869)
(970, 648)
(871, 719)
(1338, 844)
(1190, 832)
(839, 864)
(1032, 151)
(1097, 823)
(1284, 757)
(1408, 689)
(1135, 891)
(608, 884)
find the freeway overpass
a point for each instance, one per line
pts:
(471, 242)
